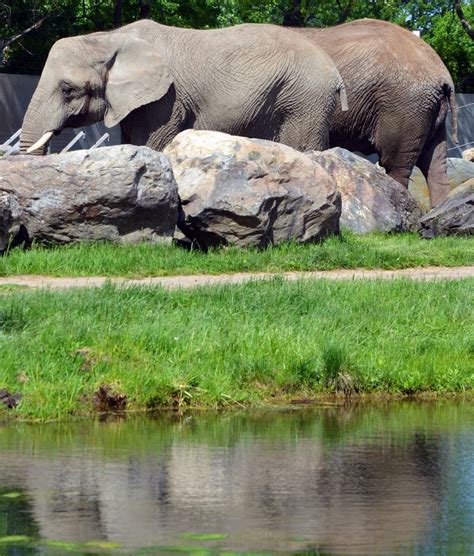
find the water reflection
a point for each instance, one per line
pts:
(395, 479)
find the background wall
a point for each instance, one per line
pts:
(15, 95)
(465, 104)
(17, 90)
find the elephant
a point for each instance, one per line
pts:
(398, 91)
(155, 81)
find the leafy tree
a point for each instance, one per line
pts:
(28, 28)
(448, 37)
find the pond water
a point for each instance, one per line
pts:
(391, 479)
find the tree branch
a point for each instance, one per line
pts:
(464, 22)
(35, 25)
(5, 43)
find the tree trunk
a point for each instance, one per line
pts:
(144, 9)
(292, 17)
(464, 22)
(117, 20)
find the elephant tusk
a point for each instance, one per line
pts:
(46, 137)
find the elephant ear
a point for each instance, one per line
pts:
(136, 75)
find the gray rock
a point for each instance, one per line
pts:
(121, 193)
(250, 192)
(418, 189)
(468, 154)
(459, 171)
(371, 200)
(454, 216)
(9, 400)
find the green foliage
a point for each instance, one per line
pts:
(11, 320)
(221, 346)
(436, 20)
(348, 251)
(455, 47)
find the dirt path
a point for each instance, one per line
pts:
(173, 282)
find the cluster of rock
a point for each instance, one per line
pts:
(455, 215)
(218, 190)
(459, 172)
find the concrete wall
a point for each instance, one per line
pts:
(17, 90)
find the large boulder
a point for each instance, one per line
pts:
(121, 193)
(454, 216)
(418, 189)
(250, 192)
(468, 154)
(459, 171)
(371, 200)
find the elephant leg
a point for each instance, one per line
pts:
(432, 162)
(304, 136)
(126, 139)
(399, 142)
(398, 164)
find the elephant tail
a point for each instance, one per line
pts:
(451, 98)
(343, 97)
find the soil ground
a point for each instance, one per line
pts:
(173, 282)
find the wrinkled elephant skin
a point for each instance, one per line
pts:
(398, 91)
(156, 81)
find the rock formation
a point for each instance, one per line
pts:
(371, 200)
(118, 194)
(250, 192)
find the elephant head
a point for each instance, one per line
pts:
(87, 79)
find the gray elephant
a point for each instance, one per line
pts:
(252, 80)
(398, 91)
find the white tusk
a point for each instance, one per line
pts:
(46, 137)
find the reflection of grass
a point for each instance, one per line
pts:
(204, 536)
(11, 495)
(349, 251)
(61, 545)
(149, 436)
(91, 547)
(14, 539)
(196, 550)
(216, 347)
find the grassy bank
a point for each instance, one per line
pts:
(73, 352)
(348, 251)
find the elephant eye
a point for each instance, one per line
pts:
(67, 89)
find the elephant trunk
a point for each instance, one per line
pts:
(28, 139)
(38, 121)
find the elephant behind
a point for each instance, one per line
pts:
(252, 80)
(398, 91)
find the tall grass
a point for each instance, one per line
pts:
(233, 345)
(347, 251)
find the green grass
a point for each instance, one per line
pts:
(348, 251)
(246, 344)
